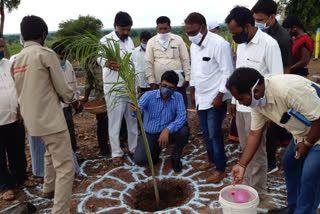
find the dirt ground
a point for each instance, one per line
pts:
(103, 188)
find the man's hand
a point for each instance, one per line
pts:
(112, 65)
(232, 110)
(192, 96)
(301, 150)
(19, 116)
(237, 173)
(77, 106)
(164, 138)
(84, 100)
(133, 108)
(185, 84)
(217, 102)
(153, 86)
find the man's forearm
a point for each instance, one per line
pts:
(314, 133)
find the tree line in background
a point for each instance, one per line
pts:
(308, 11)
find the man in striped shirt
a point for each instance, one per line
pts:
(165, 121)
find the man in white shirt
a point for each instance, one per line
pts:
(260, 51)
(12, 134)
(211, 65)
(122, 27)
(139, 63)
(165, 52)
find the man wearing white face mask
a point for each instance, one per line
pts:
(260, 51)
(211, 65)
(167, 51)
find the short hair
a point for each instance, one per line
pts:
(267, 7)
(241, 15)
(243, 79)
(59, 48)
(32, 27)
(292, 21)
(195, 18)
(163, 20)
(123, 19)
(171, 77)
(145, 35)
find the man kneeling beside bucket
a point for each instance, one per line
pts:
(291, 102)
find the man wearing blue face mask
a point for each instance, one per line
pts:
(264, 12)
(274, 98)
(165, 121)
(211, 65)
(139, 63)
(260, 51)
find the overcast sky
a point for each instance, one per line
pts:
(143, 12)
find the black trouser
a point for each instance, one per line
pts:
(180, 139)
(102, 131)
(182, 91)
(12, 146)
(274, 133)
(68, 116)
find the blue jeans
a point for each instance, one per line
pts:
(302, 180)
(210, 122)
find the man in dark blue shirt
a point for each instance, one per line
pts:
(164, 120)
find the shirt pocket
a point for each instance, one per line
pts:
(173, 51)
(254, 63)
(294, 124)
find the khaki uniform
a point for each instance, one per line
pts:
(40, 87)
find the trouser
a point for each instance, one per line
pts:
(12, 148)
(182, 91)
(256, 171)
(115, 115)
(37, 151)
(210, 122)
(302, 180)
(274, 133)
(102, 131)
(59, 170)
(68, 116)
(179, 139)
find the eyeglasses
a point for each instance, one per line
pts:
(170, 87)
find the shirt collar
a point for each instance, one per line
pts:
(114, 36)
(274, 28)
(205, 40)
(270, 98)
(30, 43)
(255, 39)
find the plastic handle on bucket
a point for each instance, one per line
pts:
(239, 196)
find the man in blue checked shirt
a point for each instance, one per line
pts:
(164, 120)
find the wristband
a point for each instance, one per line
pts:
(307, 143)
(241, 165)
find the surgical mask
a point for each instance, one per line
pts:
(166, 92)
(240, 38)
(62, 64)
(122, 37)
(262, 26)
(164, 39)
(254, 102)
(1, 55)
(143, 45)
(197, 38)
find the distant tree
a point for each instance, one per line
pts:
(307, 11)
(82, 25)
(9, 5)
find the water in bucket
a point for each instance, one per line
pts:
(237, 195)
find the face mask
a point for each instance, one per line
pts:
(293, 34)
(166, 92)
(164, 39)
(255, 103)
(262, 26)
(143, 45)
(1, 55)
(240, 38)
(62, 64)
(197, 38)
(122, 37)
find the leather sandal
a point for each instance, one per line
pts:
(9, 195)
(216, 177)
(117, 161)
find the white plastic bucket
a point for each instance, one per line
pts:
(229, 207)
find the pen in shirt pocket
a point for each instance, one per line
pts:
(251, 60)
